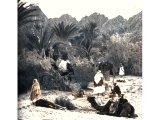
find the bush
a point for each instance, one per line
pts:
(31, 65)
(28, 68)
(84, 72)
(65, 102)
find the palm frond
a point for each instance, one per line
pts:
(64, 31)
(88, 32)
(32, 43)
(29, 13)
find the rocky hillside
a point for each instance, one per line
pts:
(135, 23)
(108, 27)
(113, 26)
(134, 26)
(122, 26)
(100, 19)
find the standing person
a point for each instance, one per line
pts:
(35, 91)
(121, 70)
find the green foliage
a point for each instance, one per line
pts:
(40, 37)
(84, 72)
(63, 32)
(94, 38)
(88, 32)
(65, 102)
(29, 68)
(29, 18)
(27, 14)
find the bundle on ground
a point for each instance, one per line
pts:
(65, 102)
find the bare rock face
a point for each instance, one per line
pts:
(113, 26)
(100, 19)
(134, 26)
(135, 23)
(119, 25)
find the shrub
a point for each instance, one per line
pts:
(65, 102)
(84, 72)
(31, 65)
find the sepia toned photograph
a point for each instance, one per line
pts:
(79, 59)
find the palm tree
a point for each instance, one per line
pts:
(40, 37)
(63, 33)
(30, 13)
(89, 34)
(32, 25)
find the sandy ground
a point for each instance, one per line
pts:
(132, 89)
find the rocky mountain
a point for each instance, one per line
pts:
(97, 18)
(108, 27)
(134, 26)
(119, 25)
(66, 18)
(113, 26)
(135, 23)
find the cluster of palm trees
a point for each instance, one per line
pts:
(89, 38)
(38, 32)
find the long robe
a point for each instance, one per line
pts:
(35, 91)
(121, 71)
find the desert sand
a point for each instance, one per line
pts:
(132, 89)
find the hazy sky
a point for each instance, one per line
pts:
(81, 8)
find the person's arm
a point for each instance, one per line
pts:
(122, 69)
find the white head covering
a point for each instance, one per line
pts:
(35, 80)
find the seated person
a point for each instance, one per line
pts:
(116, 89)
(98, 79)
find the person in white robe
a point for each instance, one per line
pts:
(121, 70)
